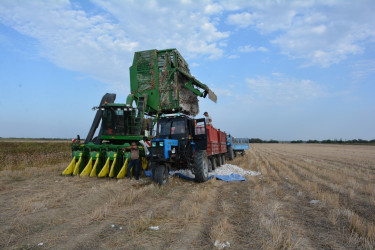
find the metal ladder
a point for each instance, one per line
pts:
(138, 120)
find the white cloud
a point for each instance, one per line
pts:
(214, 8)
(283, 90)
(249, 48)
(242, 20)
(102, 44)
(319, 32)
(233, 56)
(185, 26)
(362, 69)
(74, 40)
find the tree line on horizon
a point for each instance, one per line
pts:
(328, 141)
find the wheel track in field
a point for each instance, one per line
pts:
(358, 203)
(298, 178)
(289, 186)
(331, 165)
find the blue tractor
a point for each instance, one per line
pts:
(236, 146)
(180, 143)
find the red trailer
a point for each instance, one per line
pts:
(216, 147)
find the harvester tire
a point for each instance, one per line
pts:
(201, 166)
(230, 153)
(213, 163)
(161, 175)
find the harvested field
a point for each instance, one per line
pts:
(308, 196)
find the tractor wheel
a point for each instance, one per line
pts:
(223, 159)
(230, 153)
(213, 163)
(201, 166)
(161, 175)
(153, 172)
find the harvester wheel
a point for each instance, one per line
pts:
(161, 175)
(230, 153)
(201, 166)
(213, 163)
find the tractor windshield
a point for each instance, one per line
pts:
(170, 128)
(113, 122)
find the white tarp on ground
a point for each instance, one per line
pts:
(226, 169)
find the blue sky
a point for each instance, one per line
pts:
(282, 70)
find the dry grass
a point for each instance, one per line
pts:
(16, 155)
(271, 211)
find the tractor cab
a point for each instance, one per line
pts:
(178, 136)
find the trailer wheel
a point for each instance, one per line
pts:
(209, 165)
(201, 166)
(223, 159)
(213, 163)
(230, 153)
(161, 175)
(219, 161)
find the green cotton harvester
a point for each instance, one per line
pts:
(160, 83)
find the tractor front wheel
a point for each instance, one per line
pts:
(161, 175)
(201, 166)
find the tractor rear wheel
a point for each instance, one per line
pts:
(201, 166)
(161, 175)
(230, 153)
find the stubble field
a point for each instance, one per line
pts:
(308, 196)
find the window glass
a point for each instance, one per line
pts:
(200, 128)
(113, 122)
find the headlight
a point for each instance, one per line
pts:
(161, 144)
(153, 144)
(173, 150)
